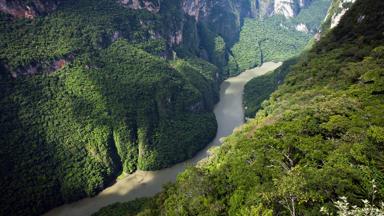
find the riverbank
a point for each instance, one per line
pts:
(229, 115)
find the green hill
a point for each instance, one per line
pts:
(67, 134)
(319, 137)
(86, 94)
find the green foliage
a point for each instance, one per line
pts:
(113, 107)
(225, 20)
(369, 208)
(74, 130)
(276, 38)
(202, 76)
(313, 15)
(260, 88)
(78, 27)
(267, 40)
(142, 205)
(220, 52)
(213, 44)
(317, 138)
(232, 67)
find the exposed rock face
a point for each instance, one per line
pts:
(176, 38)
(336, 11)
(195, 8)
(223, 17)
(342, 8)
(30, 10)
(216, 17)
(40, 68)
(151, 6)
(285, 7)
(289, 8)
(202, 9)
(302, 28)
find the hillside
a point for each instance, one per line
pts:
(318, 138)
(88, 93)
(276, 38)
(260, 88)
(95, 89)
(75, 130)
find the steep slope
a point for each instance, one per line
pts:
(276, 38)
(88, 91)
(27, 9)
(319, 137)
(257, 90)
(336, 11)
(70, 133)
(87, 94)
(260, 88)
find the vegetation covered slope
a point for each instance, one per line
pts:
(260, 88)
(67, 134)
(335, 11)
(275, 38)
(319, 137)
(85, 96)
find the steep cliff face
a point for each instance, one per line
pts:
(318, 138)
(30, 9)
(218, 17)
(336, 12)
(151, 6)
(195, 8)
(223, 17)
(166, 113)
(287, 8)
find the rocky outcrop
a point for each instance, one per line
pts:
(223, 17)
(302, 28)
(176, 38)
(201, 9)
(29, 10)
(336, 11)
(342, 7)
(41, 68)
(149, 5)
(195, 8)
(289, 8)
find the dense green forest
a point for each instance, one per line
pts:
(275, 38)
(72, 129)
(87, 93)
(317, 139)
(260, 88)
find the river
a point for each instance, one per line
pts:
(229, 115)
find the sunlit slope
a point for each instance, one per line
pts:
(319, 137)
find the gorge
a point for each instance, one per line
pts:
(229, 115)
(94, 90)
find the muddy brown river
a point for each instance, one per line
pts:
(229, 115)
